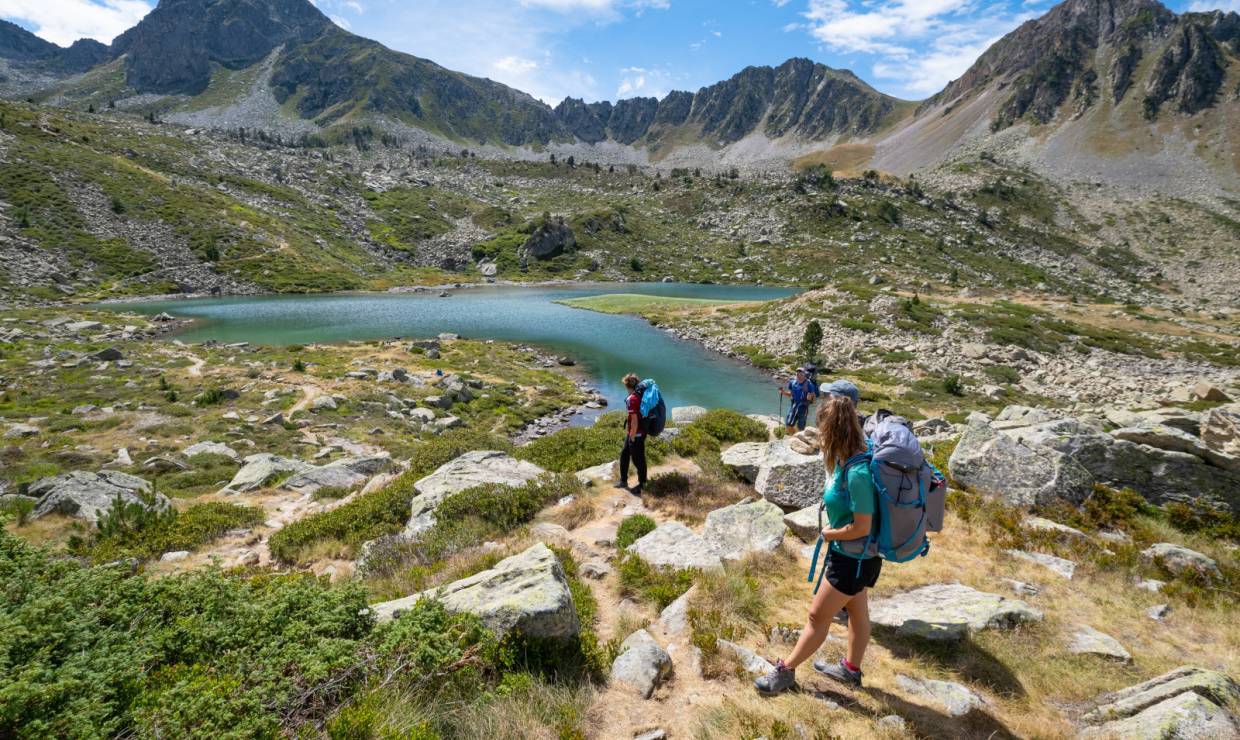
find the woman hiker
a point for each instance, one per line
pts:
(850, 500)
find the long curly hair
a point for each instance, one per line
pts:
(839, 431)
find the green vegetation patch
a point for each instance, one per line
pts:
(185, 530)
(644, 305)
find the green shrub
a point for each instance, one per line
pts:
(674, 483)
(727, 425)
(198, 525)
(381, 512)
(659, 587)
(953, 385)
(693, 441)
(632, 529)
(20, 510)
(1204, 517)
(210, 397)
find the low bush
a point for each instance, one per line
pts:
(715, 428)
(186, 530)
(1204, 518)
(578, 448)
(693, 441)
(632, 529)
(674, 483)
(381, 512)
(660, 587)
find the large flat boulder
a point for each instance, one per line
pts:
(1086, 640)
(956, 700)
(949, 612)
(642, 664)
(1059, 566)
(737, 530)
(674, 546)
(1188, 702)
(804, 523)
(745, 459)
(85, 495)
(219, 449)
(259, 471)
(993, 460)
(473, 469)
(526, 592)
(347, 474)
(789, 479)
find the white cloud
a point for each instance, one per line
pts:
(342, 22)
(1201, 6)
(65, 21)
(920, 45)
(644, 82)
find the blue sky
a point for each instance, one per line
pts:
(608, 49)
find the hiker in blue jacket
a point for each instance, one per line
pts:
(803, 392)
(850, 500)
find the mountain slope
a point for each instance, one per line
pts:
(20, 47)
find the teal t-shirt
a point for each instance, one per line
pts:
(858, 497)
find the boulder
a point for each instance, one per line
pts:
(954, 699)
(674, 546)
(674, 619)
(20, 431)
(211, 448)
(1062, 531)
(737, 530)
(1188, 702)
(642, 664)
(751, 662)
(258, 471)
(1021, 472)
(87, 496)
(347, 474)
(682, 415)
(604, 472)
(1220, 429)
(526, 592)
(323, 403)
(804, 523)
(1088, 641)
(477, 468)
(1059, 566)
(550, 239)
(745, 459)
(111, 354)
(789, 479)
(948, 612)
(1179, 559)
(1210, 392)
(172, 557)
(1172, 439)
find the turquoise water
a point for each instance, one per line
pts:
(606, 346)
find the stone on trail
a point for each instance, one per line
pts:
(745, 459)
(789, 479)
(1040, 524)
(954, 699)
(682, 415)
(473, 469)
(1179, 559)
(674, 619)
(347, 474)
(642, 664)
(604, 472)
(948, 612)
(1088, 641)
(526, 592)
(85, 495)
(1059, 566)
(750, 661)
(1188, 702)
(257, 471)
(1158, 612)
(737, 530)
(674, 546)
(804, 523)
(323, 403)
(211, 448)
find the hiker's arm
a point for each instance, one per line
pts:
(631, 427)
(859, 528)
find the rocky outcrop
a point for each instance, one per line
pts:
(1189, 72)
(745, 459)
(551, 239)
(949, 612)
(1088, 641)
(88, 496)
(682, 415)
(343, 474)
(527, 593)
(735, 531)
(219, 449)
(258, 471)
(1178, 559)
(675, 547)
(954, 699)
(478, 468)
(1030, 458)
(789, 479)
(804, 523)
(642, 664)
(1188, 702)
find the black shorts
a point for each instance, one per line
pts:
(845, 577)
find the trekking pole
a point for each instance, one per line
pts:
(781, 406)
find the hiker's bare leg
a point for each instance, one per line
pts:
(858, 627)
(826, 603)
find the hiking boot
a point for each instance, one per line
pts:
(636, 490)
(777, 681)
(839, 672)
(624, 484)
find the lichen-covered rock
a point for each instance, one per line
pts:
(804, 523)
(745, 459)
(1179, 559)
(85, 495)
(954, 699)
(947, 612)
(526, 592)
(992, 460)
(737, 530)
(218, 449)
(751, 662)
(347, 474)
(258, 471)
(1088, 641)
(1063, 531)
(674, 546)
(1059, 566)
(789, 479)
(473, 469)
(642, 664)
(1188, 702)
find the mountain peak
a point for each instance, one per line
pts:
(172, 48)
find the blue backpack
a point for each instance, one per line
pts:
(653, 410)
(911, 496)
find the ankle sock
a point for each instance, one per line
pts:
(850, 666)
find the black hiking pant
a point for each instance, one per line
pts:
(635, 450)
